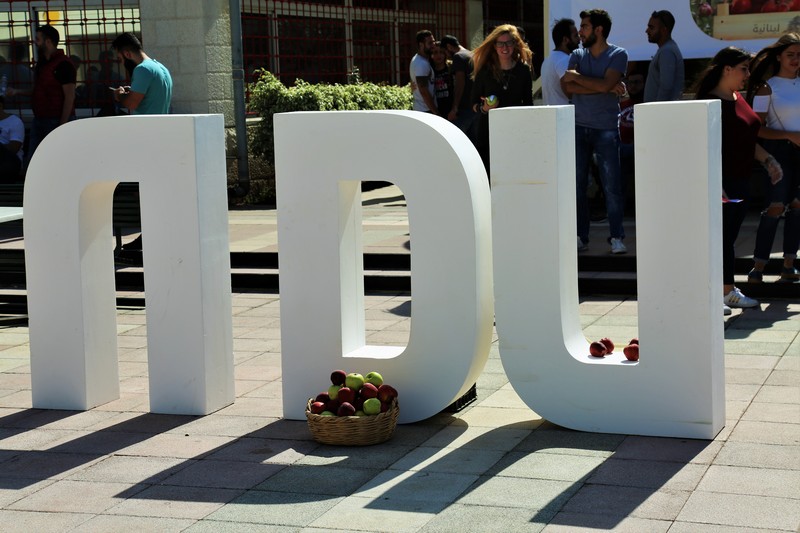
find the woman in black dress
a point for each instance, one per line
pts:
(501, 69)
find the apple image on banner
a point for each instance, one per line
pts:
(372, 406)
(374, 378)
(338, 377)
(354, 380)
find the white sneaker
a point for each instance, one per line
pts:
(582, 246)
(726, 311)
(735, 298)
(617, 247)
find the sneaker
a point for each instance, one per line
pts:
(617, 247)
(726, 311)
(789, 275)
(735, 298)
(755, 276)
(582, 246)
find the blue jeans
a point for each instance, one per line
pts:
(467, 121)
(40, 128)
(604, 145)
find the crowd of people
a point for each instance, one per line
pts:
(586, 70)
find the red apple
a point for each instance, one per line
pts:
(770, 6)
(631, 352)
(333, 406)
(369, 391)
(386, 393)
(317, 407)
(705, 10)
(346, 409)
(338, 377)
(740, 7)
(605, 341)
(634, 340)
(346, 394)
(358, 403)
(385, 406)
(323, 397)
(795, 6)
(597, 349)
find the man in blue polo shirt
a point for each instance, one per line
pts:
(150, 92)
(593, 81)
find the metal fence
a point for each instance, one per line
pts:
(327, 40)
(87, 28)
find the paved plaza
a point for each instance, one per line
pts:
(494, 466)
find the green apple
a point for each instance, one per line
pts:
(374, 378)
(354, 381)
(326, 413)
(372, 406)
(333, 391)
(361, 413)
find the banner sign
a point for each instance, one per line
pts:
(702, 28)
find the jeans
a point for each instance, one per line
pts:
(733, 215)
(604, 145)
(40, 128)
(467, 121)
(783, 192)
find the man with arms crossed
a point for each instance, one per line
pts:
(462, 114)
(593, 81)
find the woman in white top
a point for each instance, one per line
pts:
(774, 89)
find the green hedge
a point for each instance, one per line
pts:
(269, 96)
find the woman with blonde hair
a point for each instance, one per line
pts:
(501, 70)
(774, 92)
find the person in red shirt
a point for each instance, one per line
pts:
(722, 80)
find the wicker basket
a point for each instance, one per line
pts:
(352, 430)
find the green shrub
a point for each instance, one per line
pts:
(269, 96)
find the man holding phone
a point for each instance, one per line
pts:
(150, 92)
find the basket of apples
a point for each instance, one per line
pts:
(356, 410)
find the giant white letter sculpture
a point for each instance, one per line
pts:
(320, 160)
(677, 388)
(179, 162)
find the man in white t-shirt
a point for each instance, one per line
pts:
(12, 135)
(565, 37)
(421, 73)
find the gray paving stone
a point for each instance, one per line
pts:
(40, 522)
(773, 412)
(93, 497)
(565, 522)
(458, 518)
(741, 510)
(257, 450)
(215, 526)
(306, 479)
(775, 394)
(752, 481)
(369, 457)
(459, 435)
(174, 502)
(648, 474)
(36, 465)
(527, 493)
(759, 455)
(564, 441)
(694, 527)
(133, 470)
(788, 378)
(133, 524)
(766, 433)
(416, 486)
(223, 474)
(538, 465)
(448, 460)
(276, 508)
(620, 502)
(667, 449)
(369, 515)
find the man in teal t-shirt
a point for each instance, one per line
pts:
(150, 92)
